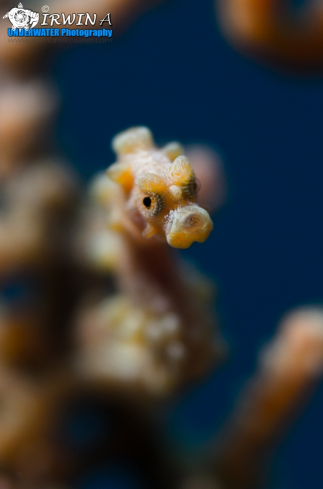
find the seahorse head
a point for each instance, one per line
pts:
(161, 189)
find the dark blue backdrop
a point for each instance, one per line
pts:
(174, 73)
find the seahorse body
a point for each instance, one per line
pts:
(158, 331)
(161, 189)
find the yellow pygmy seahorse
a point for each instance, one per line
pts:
(158, 331)
(161, 189)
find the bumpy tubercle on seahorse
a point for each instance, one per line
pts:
(146, 202)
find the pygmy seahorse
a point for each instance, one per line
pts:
(161, 189)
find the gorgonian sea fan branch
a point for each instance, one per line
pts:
(271, 30)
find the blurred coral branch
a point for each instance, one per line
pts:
(290, 367)
(271, 31)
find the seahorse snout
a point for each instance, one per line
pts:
(188, 224)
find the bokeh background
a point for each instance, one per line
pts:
(174, 72)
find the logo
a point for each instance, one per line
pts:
(21, 18)
(56, 25)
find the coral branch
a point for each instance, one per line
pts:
(289, 369)
(271, 31)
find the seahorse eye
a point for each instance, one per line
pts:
(147, 202)
(154, 203)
